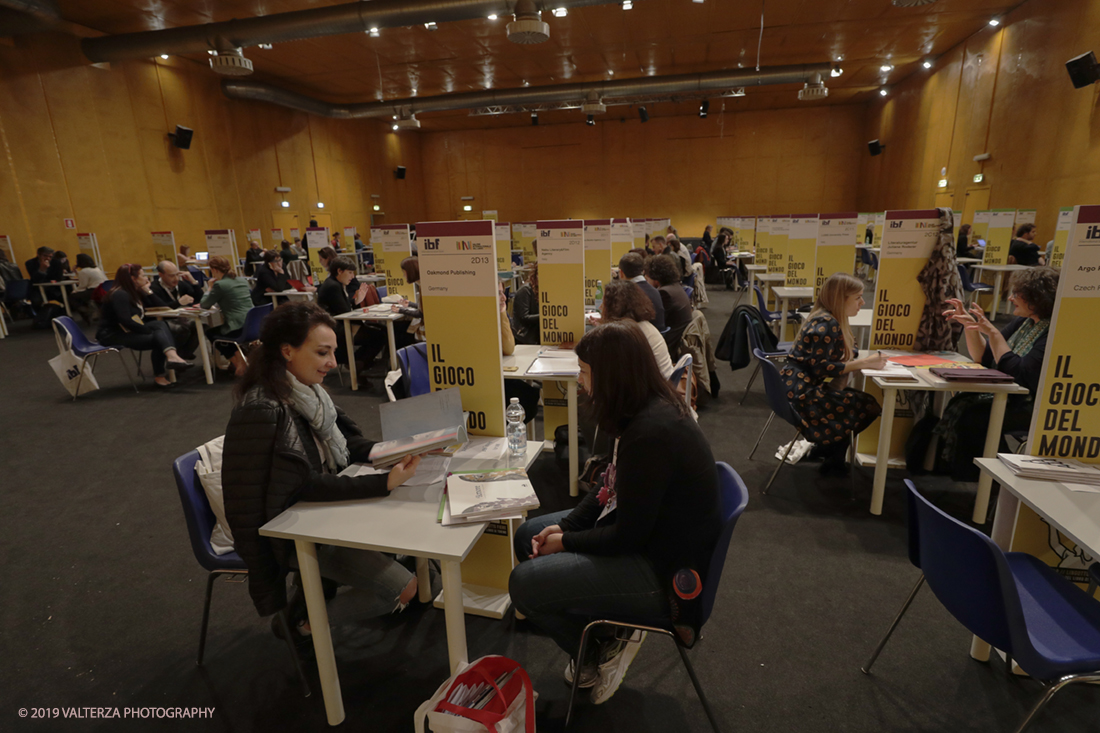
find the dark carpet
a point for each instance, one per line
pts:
(102, 596)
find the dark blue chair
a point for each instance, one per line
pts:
(18, 293)
(85, 348)
(762, 306)
(783, 348)
(1094, 578)
(690, 292)
(381, 291)
(517, 259)
(250, 331)
(969, 286)
(734, 496)
(1011, 600)
(413, 361)
(200, 523)
(683, 365)
(199, 275)
(781, 406)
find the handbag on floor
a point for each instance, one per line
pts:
(491, 695)
(67, 366)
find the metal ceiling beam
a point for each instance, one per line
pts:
(334, 20)
(681, 84)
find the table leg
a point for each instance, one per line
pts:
(204, 352)
(571, 406)
(423, 580)
(996, 295)
(322, 638)
(65, 300)
(882, 459)
(351, 355)
(393, 345)
(992, 442)
(784, 312)
(453, 613)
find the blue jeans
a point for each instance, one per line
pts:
(375, 580)
(551, 589)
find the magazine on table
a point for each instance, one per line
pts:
(490, 494)
(390, 452)
(1065, 470)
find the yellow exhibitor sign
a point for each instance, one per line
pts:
(458, 291)
(640, 228)
(622, 239)
(164, 247)
(778, 229)
(502, 232)
(836, 250)
(980, 226)
(392, 244)
(1061, 236)
(597, 257)
(998, 236)
(909, 239)
(561, 304)
(801, 251)
(524, 236)
(880, 226)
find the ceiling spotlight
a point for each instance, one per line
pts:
(535, 119)
(467, 207)
(700, 2)
(994, 22)
(373, 32)
(836, 71)
(927, 64)
(493, 16)
(377, 207)
(395, 128)
(285, 204)
(590, 121)
(211, 51)
(643, 115)
(320, 204)
(882, 92)
(266, 46)
(430, 25)
(560, 12)
(704, 107)
(627, 4)
(610, 72)
(886, 68)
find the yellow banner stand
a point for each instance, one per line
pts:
(880, 225)
(502, 232)
(802, 251)
(392, 244)
(733, 223)
(597, 257)
(1025, 216)
(164, 247)
(778, 230)
(980, 226)
(907, 243)
(561, 305)
(763, 240)
(639, 228)
(277, 238)
(998, 236)
(1061, 236)
(865, 232)
(528, 236)
(622, 239)
(316, 240)
(749, 226)
(1066, 421)
(222, 243)
(836, 249)
(86, 243)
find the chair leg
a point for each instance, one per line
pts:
(698, 688)
(206, 614)
(128, 375)
(1049, 693)
(782, 461)
(749, 385)
(80, 377)
(577, 674)
(866, 669)
(285, 624)
(767, 425)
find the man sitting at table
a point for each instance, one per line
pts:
(1023, 248)
(631, 267)
(38, 268)
(179, 290)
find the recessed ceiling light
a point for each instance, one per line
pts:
(927, 64)
(493, 16)
(286, 204)
(627, 4)
(164, 56)
(610, 72)
(395, 128)
(266, 46)
(882, 92)
(430, 25)
(994, 22)
(373, 32)
(886, 68)
(560, 12)
(837, 71)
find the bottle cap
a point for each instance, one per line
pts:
(514, 401)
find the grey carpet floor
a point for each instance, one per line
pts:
(101, 596)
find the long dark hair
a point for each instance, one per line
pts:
(124, 280)
(290, 323)
(411, 268)
(625, 377)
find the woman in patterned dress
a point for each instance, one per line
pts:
(816, 373)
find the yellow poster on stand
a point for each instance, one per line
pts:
(640, 230)
(526, 241)
(489, 215)
(561, 305)
(980, 226)
(164, 247)
(778, 230)
(597, 257)
(458, 292)
(865, 233)
(730, 223)
(763, 240)
(86, 243)
(503, 234)
(1066, 420)
(749, 225)
(1025, 216)
(277, 238)
(801, 251)
(880, 226)
(316, 240)
(622, 239)
(998, 236)
(836, 249)
(1061, 236)
(392, 244)
(659, 227)
(220, 243)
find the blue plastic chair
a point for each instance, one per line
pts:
(762, 306)
(85, 348)
(1094, 578)
(200, 277)
(18, 292)
(1011, 600)
(781, 406)
(200, 523)
(517, 259)
(690, 291)
(381, 291)
(969, 286)
(250, 331)
(734, 496)
(683, 365)
(783, 348)
(413, 361)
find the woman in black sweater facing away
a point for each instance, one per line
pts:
(640, 546)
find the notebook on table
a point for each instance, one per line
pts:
(983, 376)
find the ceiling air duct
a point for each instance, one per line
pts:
(911, 3)
(528, 27)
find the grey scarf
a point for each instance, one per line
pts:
(315, 405)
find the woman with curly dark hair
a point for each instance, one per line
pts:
(1017, 349)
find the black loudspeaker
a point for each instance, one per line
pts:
(399, 172)
(875, 147)
(1083, 70)
(181, 138)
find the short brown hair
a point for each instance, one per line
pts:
(1037, 286)
(340, 264)
(631, 264)
(1024, 229)
(221, 264)
(411, 267)
(271, 255)
(662, 269)
(624, 299)
(625, 376)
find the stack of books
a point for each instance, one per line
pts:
(1063, 470)
(487, 496)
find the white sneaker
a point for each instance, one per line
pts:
(614, 669)
(589, 676)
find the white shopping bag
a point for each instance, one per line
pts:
(67, 366)
(515, 713)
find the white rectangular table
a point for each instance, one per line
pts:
(928, 382)
(522, 358)
(402, 523)
(787, 294)
(63, 284)
(754, 271)
(202, 319)
(1076, 514)
(291, 294)
(770, 279)
(362, 316)
(999, 271)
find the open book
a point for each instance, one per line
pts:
(490, 495)
(390, 452)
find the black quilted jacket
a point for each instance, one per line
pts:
(271, 461)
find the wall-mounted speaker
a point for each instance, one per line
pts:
(1083, 70)
(181, 138)
(399, 172)
(875, 147)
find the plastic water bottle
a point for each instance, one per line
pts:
(515, 429)
(599, 294)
